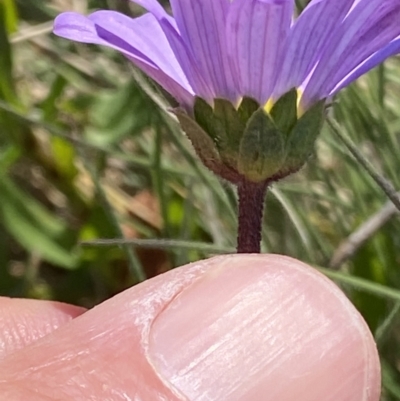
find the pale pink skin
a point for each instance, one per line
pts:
(231, 328)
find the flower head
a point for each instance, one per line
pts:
(231, 49)
(247, 49)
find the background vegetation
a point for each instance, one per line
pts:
(88, 152)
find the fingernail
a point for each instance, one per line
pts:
(264, 328)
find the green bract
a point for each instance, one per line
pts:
(248, 143)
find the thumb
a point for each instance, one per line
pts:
(231, 328)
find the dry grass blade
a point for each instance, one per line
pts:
(350, 245)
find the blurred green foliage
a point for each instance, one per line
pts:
(87, 151)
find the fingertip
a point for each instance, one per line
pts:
(265, 327)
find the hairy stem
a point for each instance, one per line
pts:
(251, 206)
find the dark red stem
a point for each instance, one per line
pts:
(251, 206)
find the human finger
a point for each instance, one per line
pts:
(23, 321)
(237, 328)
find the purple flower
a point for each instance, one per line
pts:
(253, 48)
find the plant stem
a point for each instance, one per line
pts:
(251, 206)
(386, 186)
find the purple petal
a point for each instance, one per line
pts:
(183, 96)
(155, 8)
(144, 34)
(141, 40)
(202, 27)
(182, 51)
(390, 50)
(309, 36)
(255, 31)
(77, 27)
(369, 27)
